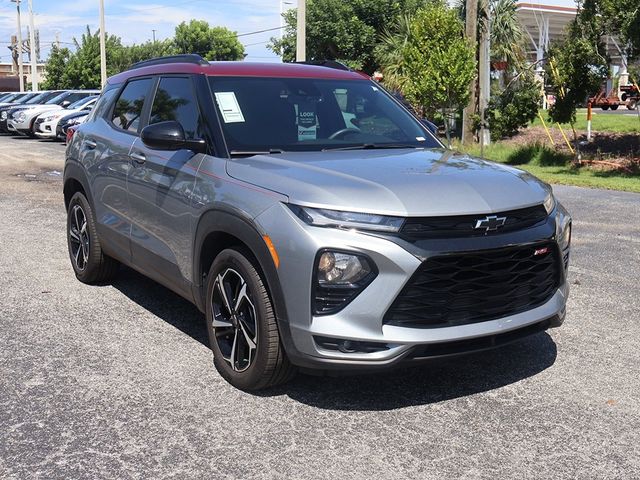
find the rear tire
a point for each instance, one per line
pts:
(632, 104)
(605, 107)
(614, 107)
(89, 262)
(243, 331)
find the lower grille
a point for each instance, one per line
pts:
(465, 288)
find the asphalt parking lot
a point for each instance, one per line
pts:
(117, 381)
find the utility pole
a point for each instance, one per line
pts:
(485, 75)
(19, 49)
(301, 37)
(471, 32)
(32, 45)
(103, 52)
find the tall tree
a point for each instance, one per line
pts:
(55, 67)
(439, 62)
(83, 68)
(212, 43)
(347, 31)
(507, 35)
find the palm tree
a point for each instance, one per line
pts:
(389, 51)
(507, 34)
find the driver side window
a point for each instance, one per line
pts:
(128, 108)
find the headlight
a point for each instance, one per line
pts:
(335, 268)
(549, 203)
(339, 278)
(49, 118)
(333, 218)
(564, 239)
(3, 115)
(20, 117)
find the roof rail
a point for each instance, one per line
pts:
(190, 58)
(327, 63)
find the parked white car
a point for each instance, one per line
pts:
(22, 121)
(46, 124)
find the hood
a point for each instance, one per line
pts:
(404, 182)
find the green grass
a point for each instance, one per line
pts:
(555, 167)
(600, 122)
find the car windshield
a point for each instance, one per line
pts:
(24, 99)
(302, 114)
(58, 99)
(80, 103)
(40, 98)
(9, 98)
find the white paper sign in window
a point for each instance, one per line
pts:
(229, 107)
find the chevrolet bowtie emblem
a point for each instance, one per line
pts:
(490, 223)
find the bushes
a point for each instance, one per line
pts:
(514, 107)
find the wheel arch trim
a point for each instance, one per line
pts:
(239, 225)
(74, 172)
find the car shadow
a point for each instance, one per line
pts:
(163, 303)
(436, 381)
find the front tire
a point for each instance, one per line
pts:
(243, 333)
(90, 263)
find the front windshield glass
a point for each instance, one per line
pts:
(306, 114)
(39, 98)
(9, 98)
(26, 98)
(58, 99)
(80, 103)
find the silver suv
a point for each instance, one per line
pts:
(315, 221)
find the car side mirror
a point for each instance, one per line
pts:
(65, 104)
(169, 136)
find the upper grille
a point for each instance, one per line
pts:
(473, 287)
(463, 225)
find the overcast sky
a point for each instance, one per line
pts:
(134, 20)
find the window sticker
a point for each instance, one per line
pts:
(229, 107)
(421, 139)
(307, 121)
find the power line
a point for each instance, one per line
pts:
(259, 31)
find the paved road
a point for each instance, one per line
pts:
(117, 381)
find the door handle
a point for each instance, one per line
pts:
(139, 158)
(90, 144)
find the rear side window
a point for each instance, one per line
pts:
(175, 100)
(128, 109)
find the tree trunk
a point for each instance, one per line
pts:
(446, 126)
(471, 32)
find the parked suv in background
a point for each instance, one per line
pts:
(314, 220)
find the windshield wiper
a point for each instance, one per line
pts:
(249, 153)
(371, 146)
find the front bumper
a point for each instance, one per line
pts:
(307, 337)
(22, 128)
(45, 129)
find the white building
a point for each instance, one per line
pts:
(546, 20)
